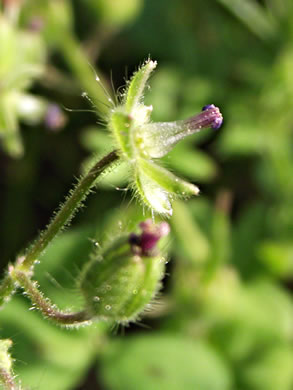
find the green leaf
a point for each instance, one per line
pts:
(253, 15)
(163, 362)
(54, 358)
(270, 371)
(191, 239)
(115, 14)
(191, 162)
(277, 256)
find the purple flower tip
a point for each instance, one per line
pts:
(208, 106)
(210, 116)
(218, 119)
(145, 243)
(217, 123)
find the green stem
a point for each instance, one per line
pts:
(48, 309)
(67, 210)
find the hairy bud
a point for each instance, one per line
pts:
(119, 283)
(140, 141)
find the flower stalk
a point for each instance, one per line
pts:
(46, 307)
(60, 220)
(116, 284)
(67, 210)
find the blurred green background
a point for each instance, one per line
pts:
(224, 320)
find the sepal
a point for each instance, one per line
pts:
(158, 187)
(121, 280)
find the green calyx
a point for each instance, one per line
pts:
(120, 124)
(140, 142)
(158, 187)
(121, 281)
(136, 86)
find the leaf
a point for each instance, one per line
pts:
(163, 362)
(191, 162)
(54, 358)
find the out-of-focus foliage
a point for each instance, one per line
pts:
(224, 319)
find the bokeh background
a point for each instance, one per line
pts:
(224, 320)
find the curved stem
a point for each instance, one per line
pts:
(67, 210)
(46, 307)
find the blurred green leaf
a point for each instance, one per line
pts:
(163, 362)
(278, 257)
(251, 13)
(271, 370)
(116, 14)
(57, 359)
(191, 240)
(191, 162)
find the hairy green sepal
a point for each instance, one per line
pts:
(118, 284)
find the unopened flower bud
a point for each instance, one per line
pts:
(157, 139)
(123, 278)
(139, 141)
(209, 117)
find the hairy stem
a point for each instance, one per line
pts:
(45, 306)
(7, 380)
(6, 289)
(67, 210)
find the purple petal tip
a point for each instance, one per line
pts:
(218, 121)
(208, 106)
(145, 243)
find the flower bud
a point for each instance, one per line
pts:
(157, 139)
(119, 282)
(139, 142)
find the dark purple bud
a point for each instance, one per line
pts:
(209, 117)
(146, 243)
(134, 239)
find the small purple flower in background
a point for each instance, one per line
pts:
(145, 243)
(36, 24)
(54, 119)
